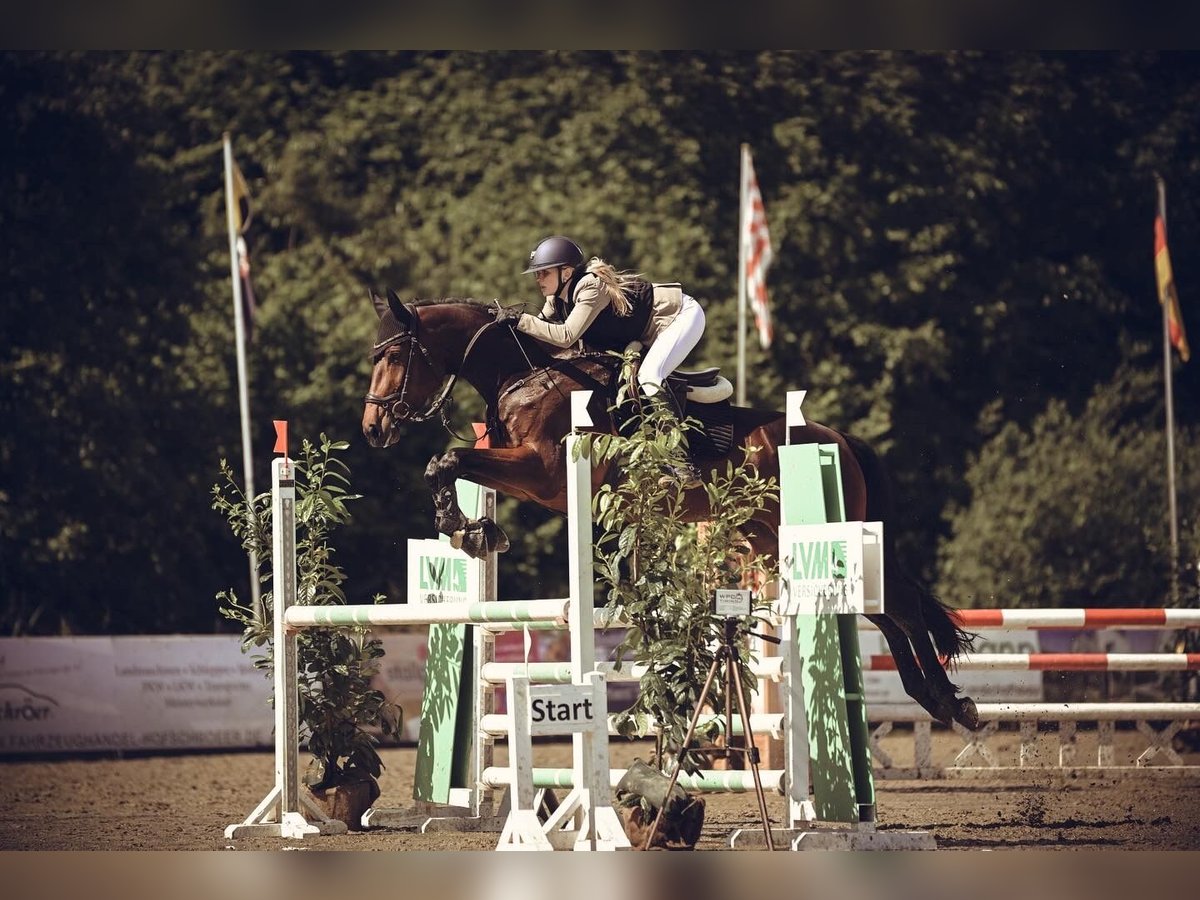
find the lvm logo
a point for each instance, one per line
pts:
(437, 573)
(441, 574)
(833, 567)
(821, 560)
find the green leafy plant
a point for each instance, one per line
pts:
(337, 704)
(661, 573)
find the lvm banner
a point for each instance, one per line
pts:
(831, 568)
(438, 573)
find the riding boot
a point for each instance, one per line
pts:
(685, 474)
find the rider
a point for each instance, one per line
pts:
(607, 310)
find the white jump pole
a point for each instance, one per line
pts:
(282, 811)
(585, 819)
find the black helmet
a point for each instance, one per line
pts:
(553, 252)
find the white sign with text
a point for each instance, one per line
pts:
(131, 693)
(830, 568)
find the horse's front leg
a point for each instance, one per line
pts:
(528, 472)
(478, 537)
(440, 475)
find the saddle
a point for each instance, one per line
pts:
(701, 385)
(697, 386)
(703, 395)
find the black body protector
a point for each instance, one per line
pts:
(610, 331)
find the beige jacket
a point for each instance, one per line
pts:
(589, 302)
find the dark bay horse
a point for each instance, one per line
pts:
(424, 348)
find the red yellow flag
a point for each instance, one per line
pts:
(1167, 295)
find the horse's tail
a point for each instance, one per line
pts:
(944, 625)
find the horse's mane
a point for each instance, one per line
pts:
(439, 301)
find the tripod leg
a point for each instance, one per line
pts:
(712, 671)
(753, 752)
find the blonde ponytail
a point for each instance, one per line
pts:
(614, 284)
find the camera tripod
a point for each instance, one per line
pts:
(729, 656)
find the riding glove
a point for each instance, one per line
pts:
(507, 315)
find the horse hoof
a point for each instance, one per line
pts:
(473, 543)
(494, 538)
(480, 538)
(968, 714)
(501, 543)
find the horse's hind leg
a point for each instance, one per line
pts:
(910, 672)
(904, 609)
(962, 710)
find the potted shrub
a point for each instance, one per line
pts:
(661, 573)
(339, 710)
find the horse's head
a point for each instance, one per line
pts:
(406, 379)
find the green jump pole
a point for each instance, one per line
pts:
(839, 742)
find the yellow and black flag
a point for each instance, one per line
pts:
(1167, 295)
(241, 200)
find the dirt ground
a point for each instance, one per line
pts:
(185, 802)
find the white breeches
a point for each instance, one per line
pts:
(672, 346)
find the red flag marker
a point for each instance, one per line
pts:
(280, 436)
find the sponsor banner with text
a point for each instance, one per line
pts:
(172, 692)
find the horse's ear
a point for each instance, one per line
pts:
(399, 310)
(378, 302)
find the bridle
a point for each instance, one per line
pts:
(395, 404)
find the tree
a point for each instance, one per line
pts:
(958, 237)
(336, 703)
(660, 573)
(1071, 510)
(99, 414)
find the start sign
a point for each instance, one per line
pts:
(830, 568)
(564, 708)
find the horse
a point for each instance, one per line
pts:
(424, 347)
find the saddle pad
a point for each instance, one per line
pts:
(716, 438)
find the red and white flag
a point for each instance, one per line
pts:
(757, 242)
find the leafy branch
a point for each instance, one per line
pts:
(337, 703)
(661, 572)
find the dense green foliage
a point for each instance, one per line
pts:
(337, 703)
(962, 244)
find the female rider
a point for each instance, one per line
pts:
(607, 309)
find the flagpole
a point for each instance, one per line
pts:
(1170, 403)
(240, 337)
(741, 281)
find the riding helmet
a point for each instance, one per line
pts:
(552, 252)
